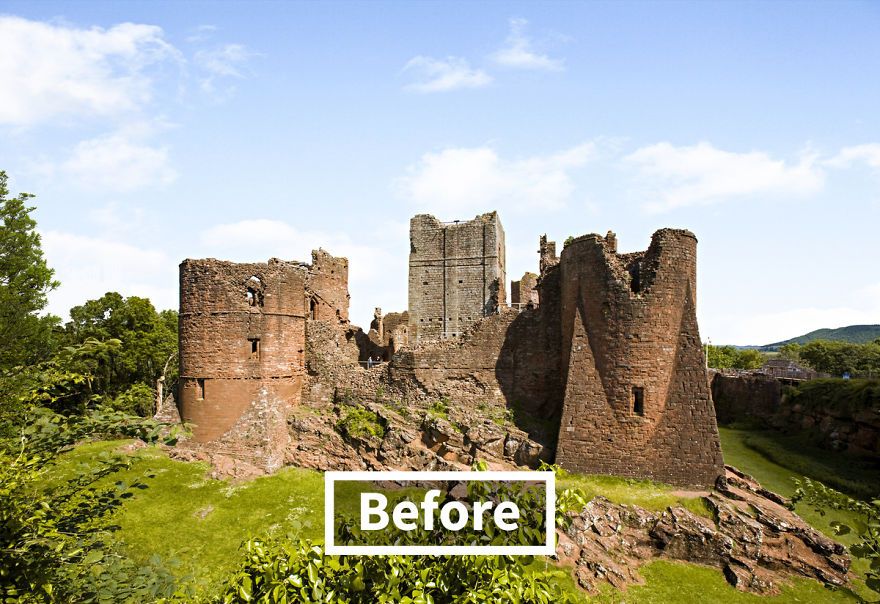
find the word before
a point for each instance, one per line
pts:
(405, 514)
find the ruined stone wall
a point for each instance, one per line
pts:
(242, 342)
(327, 287)
(636, 396)
(763, 400)
(524, 291)
(506, 364)
(456, 274)
(745, 397)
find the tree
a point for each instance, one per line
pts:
(730, 357)
(838, 358)
(25, 280)
(149, 340)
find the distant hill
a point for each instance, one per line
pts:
(854, 334)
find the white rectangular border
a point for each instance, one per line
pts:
(548, 549)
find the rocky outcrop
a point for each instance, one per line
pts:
(754, 539)
(413, 439)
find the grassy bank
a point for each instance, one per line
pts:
(200, 523)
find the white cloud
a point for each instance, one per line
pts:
(89, 267)
(49, 70)
(868, 153)
(519, 52)
(225, 60)
(701, 175)
(863, 308)
(201, 34)
(116, 163)
(437, 75)
(459, 179)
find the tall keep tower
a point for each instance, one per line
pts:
(637, 400)
(456, 274)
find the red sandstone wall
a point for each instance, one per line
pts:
(327, 284)
(228, 390)
(617, 339)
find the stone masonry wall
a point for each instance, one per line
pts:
(525, 290)
(636, 400)
(745, 397)
(327, 286)
(242, 342)
(456, 274)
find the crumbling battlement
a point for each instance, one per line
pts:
(456, 274)
(636, 398)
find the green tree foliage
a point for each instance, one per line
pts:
(837, 358)
(25, 280)
(55, 534)
(865, 525)
(276, 572)
(731, 357)
(148, 345)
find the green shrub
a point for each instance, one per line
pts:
(361, 423)
(138, 399)
(439, 408)
(837, 394)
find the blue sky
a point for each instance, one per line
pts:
(153, 132)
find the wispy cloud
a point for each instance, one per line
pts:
(116, 163)
(702, 174)
(472, 179)
(519, 51)
(444, 75)
(49, 70)
(88, 267)
(868, 154)
(201, 33)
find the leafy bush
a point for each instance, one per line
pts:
(866, 526)
(276, 572)
(439, 408)
(56, 536)
(361, 423)
(850, 396)
(139, 399)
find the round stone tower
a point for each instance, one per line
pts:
(242, 342)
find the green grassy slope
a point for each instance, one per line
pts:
(201, 523)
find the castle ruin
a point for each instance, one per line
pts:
(456, 274)
(597, 360)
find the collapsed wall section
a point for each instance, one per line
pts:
(456, 274)
(636, 398)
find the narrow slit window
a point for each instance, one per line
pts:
(200, 389)
(638, 400)
(313, 307)
(255, 347)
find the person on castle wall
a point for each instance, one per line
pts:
(369, 362)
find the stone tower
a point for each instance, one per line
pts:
(242, 333)
(456, 274)
(636, 400)
(242, 337)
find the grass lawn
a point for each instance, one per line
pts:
(200, 523)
